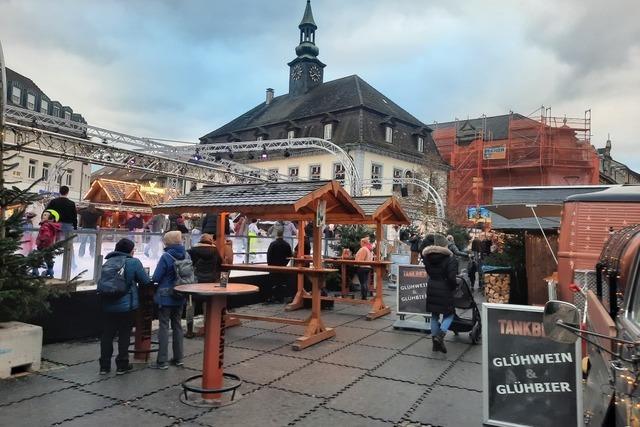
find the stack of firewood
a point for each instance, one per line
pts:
(497, 287)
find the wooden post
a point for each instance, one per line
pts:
(220, 237)
(378, 308)
(298, 299)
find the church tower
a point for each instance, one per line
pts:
(306, 71)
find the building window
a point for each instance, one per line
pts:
(56, 111)
(314, 172)
(397, 183)
(16, 95)
(388, 134)
(260, 138)
(273, 174)
(45, 171)
(293, 172)
(291, 134)
(69, 180)
(328, 131)
(338, 172)
(67, 115)
(376, 176)
(420, 144)
(44, 106)
(31, 101)
(33, 166)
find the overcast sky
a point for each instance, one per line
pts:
(179, 69)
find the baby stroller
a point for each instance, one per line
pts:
(463, 300)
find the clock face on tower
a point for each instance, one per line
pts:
(296, 72)
(314, 73)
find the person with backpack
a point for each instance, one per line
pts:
(174, 268)
(120, 277)
(50, 228)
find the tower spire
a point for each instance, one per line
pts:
(307, 18)
(306, 70)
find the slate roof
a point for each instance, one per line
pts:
(268, 193)
(124, 192)
(340, 94)
(623, 193)
(371, 204)
(537, 195)
(496, 126)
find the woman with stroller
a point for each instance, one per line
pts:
(442, 268)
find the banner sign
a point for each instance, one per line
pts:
(478, 214)
(528, 379)
(411, 292)
(494, 152)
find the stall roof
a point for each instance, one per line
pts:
(270, 200)
(625, 193)
(386, 209)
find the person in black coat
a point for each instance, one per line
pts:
(442, 268)
(206, 260)
(279, 253)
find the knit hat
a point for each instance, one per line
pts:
(207, 239)
(54, 215)
(172, 238)
(440, 240)
(125, 245)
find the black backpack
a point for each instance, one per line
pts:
(112, 284)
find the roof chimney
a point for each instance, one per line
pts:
(269, 96)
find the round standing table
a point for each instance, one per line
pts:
(212, 364)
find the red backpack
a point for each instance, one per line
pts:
(47, 234)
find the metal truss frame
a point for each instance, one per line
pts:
(258, 147)
(39, 141)
(422, 184)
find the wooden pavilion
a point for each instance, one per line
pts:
(314, 201)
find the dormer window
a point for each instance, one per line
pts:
(31, 101)
(328, 131)
(388, 134)
(260, 138)
(67, 115)
(420, 144)
(291, 134)
(56, 111)
(16, 95)
(44, 106)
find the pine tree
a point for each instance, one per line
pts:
(22, 295)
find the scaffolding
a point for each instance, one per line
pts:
(538, 149)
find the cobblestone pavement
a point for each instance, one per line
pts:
(368, 375)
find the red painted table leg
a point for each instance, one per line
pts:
(144, 317)
(213, 345)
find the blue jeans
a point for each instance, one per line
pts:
(91, 239)
(437, 327)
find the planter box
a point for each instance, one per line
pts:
(20, 347)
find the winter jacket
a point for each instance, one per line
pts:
(279, 253)
(442, 268)
(454, 250)
(48, 234)
(165, 276)
(135, 223)
(67, 210)
(415, 243)
(290, 230)
(134, 275)
(275, 228)
(206, 262)
(210, 225)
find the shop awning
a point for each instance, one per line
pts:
(518, 211)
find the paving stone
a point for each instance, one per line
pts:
(377, 324)
(168, 402)
(297, 330)
(232, 355)
(87, 372)
(121, 415)
(71, 353)
(412, 368)
(261, 324)
(464, 374)
(389, 340)
(424, 348)
(378, 398)
(359, 356)
(240, 332)
(320, 379)
(266, 368)
(333, 320)
(265, 342)
(139, 383)
(474, 354)
(327, 417)
(51, 408)
(405, 331)
(190, 346)
(314, 352)
(264, 408)
(349, 335)
(445, 406)
(14, 389)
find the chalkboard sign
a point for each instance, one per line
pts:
(528, 379)
(411, 292)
